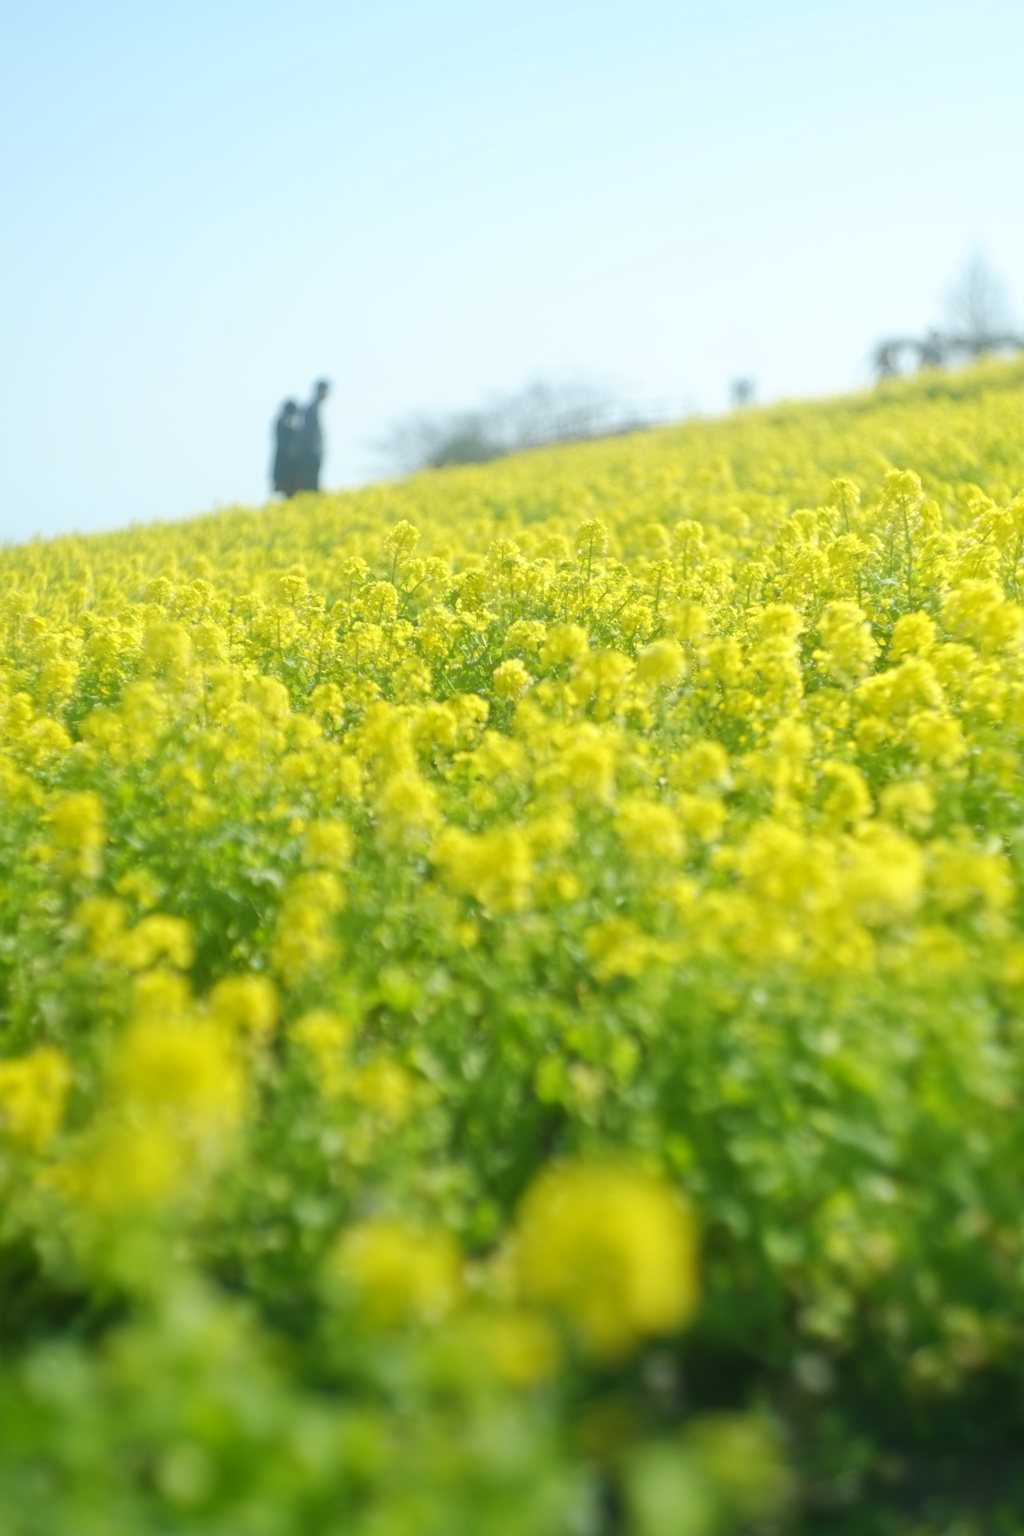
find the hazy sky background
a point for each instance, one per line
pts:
(208, 205)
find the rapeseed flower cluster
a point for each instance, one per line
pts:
(510, 986)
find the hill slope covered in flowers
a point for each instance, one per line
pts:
(510, 994)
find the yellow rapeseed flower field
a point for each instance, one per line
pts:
(511, 993)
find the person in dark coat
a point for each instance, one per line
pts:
(287, 467)
(311, 441)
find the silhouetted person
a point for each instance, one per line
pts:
(932, 350)
(885, 360)
(287, 465)
(311, 442)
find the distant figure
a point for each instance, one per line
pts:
(885, 360)
(311, 442)
(742, 391)
(287, 428)
(932, 350)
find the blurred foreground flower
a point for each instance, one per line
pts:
(398, 1274)
(613, 1249)
(32, 1093)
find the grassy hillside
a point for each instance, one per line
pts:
(510, 994)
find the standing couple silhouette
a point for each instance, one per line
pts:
(299, 444)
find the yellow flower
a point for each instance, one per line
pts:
(702, 766)
(162, 997)
(588, 765)
(618, 947)
(913, 634)
(511, 679)
(157, 937)
(498, 756)
(780, 622)
(598, 679)
(494, 867)
(79, 831)
(521, 1346)
(612, 1249)
(563, 642)
(661, 663)
(327, 1039)
(385, 1086)
(126, 1169)
(399, 1274)
(245, 1003)
(270, 697)
(936, 738)
(846, 798)
(402, 540)
(141, 885)
(978, 611)
(327, 845)
(910, 801)
(689, 622)
(304, 939)
(847, 645)
(187, 1072)
(964, 876)
(648, 830)
(885, 876)
(407, 810)
(166, 648)
(172, 1107)
(525, 635)
(103, 919)
(702, 815)
(33, 1090)
(786, 870)
(591, 542)
(723, 659)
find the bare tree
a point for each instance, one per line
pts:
(978, 307)
(978, 321)
(542, 412)
(420, 442)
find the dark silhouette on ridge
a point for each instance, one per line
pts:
(299, 445)
(311, 440)
(285, 474)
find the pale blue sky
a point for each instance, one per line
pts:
(208, 205)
